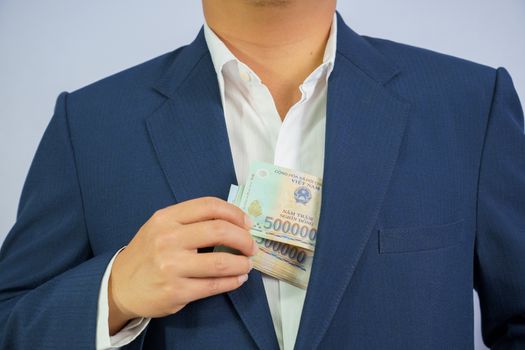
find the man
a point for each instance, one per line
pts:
(422, 159)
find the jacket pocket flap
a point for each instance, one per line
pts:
(413, 239)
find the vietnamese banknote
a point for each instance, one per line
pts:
(283, 204)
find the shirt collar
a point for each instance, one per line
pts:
(221, 55)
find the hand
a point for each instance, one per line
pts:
(160, 271)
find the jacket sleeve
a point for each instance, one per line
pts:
(49, 278)
(500, 237)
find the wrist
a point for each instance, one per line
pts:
(118, 316)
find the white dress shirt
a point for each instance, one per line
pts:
(256, 132)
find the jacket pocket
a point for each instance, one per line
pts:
(414, 239)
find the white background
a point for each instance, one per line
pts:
(50, 46)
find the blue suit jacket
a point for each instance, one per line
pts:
(423, 199)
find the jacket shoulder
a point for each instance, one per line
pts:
(411, 58)
(428, 76)
(131, 84)
(436, 72)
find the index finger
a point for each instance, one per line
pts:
(207, 208)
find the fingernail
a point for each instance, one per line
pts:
(251, 263)
(247, 221)
(243, 279)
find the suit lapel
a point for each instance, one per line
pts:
(364, 128)
(190, 139)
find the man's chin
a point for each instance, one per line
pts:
(269, 3)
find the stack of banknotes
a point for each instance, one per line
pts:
(284, 206)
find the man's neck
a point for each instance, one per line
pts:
(282, 41)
